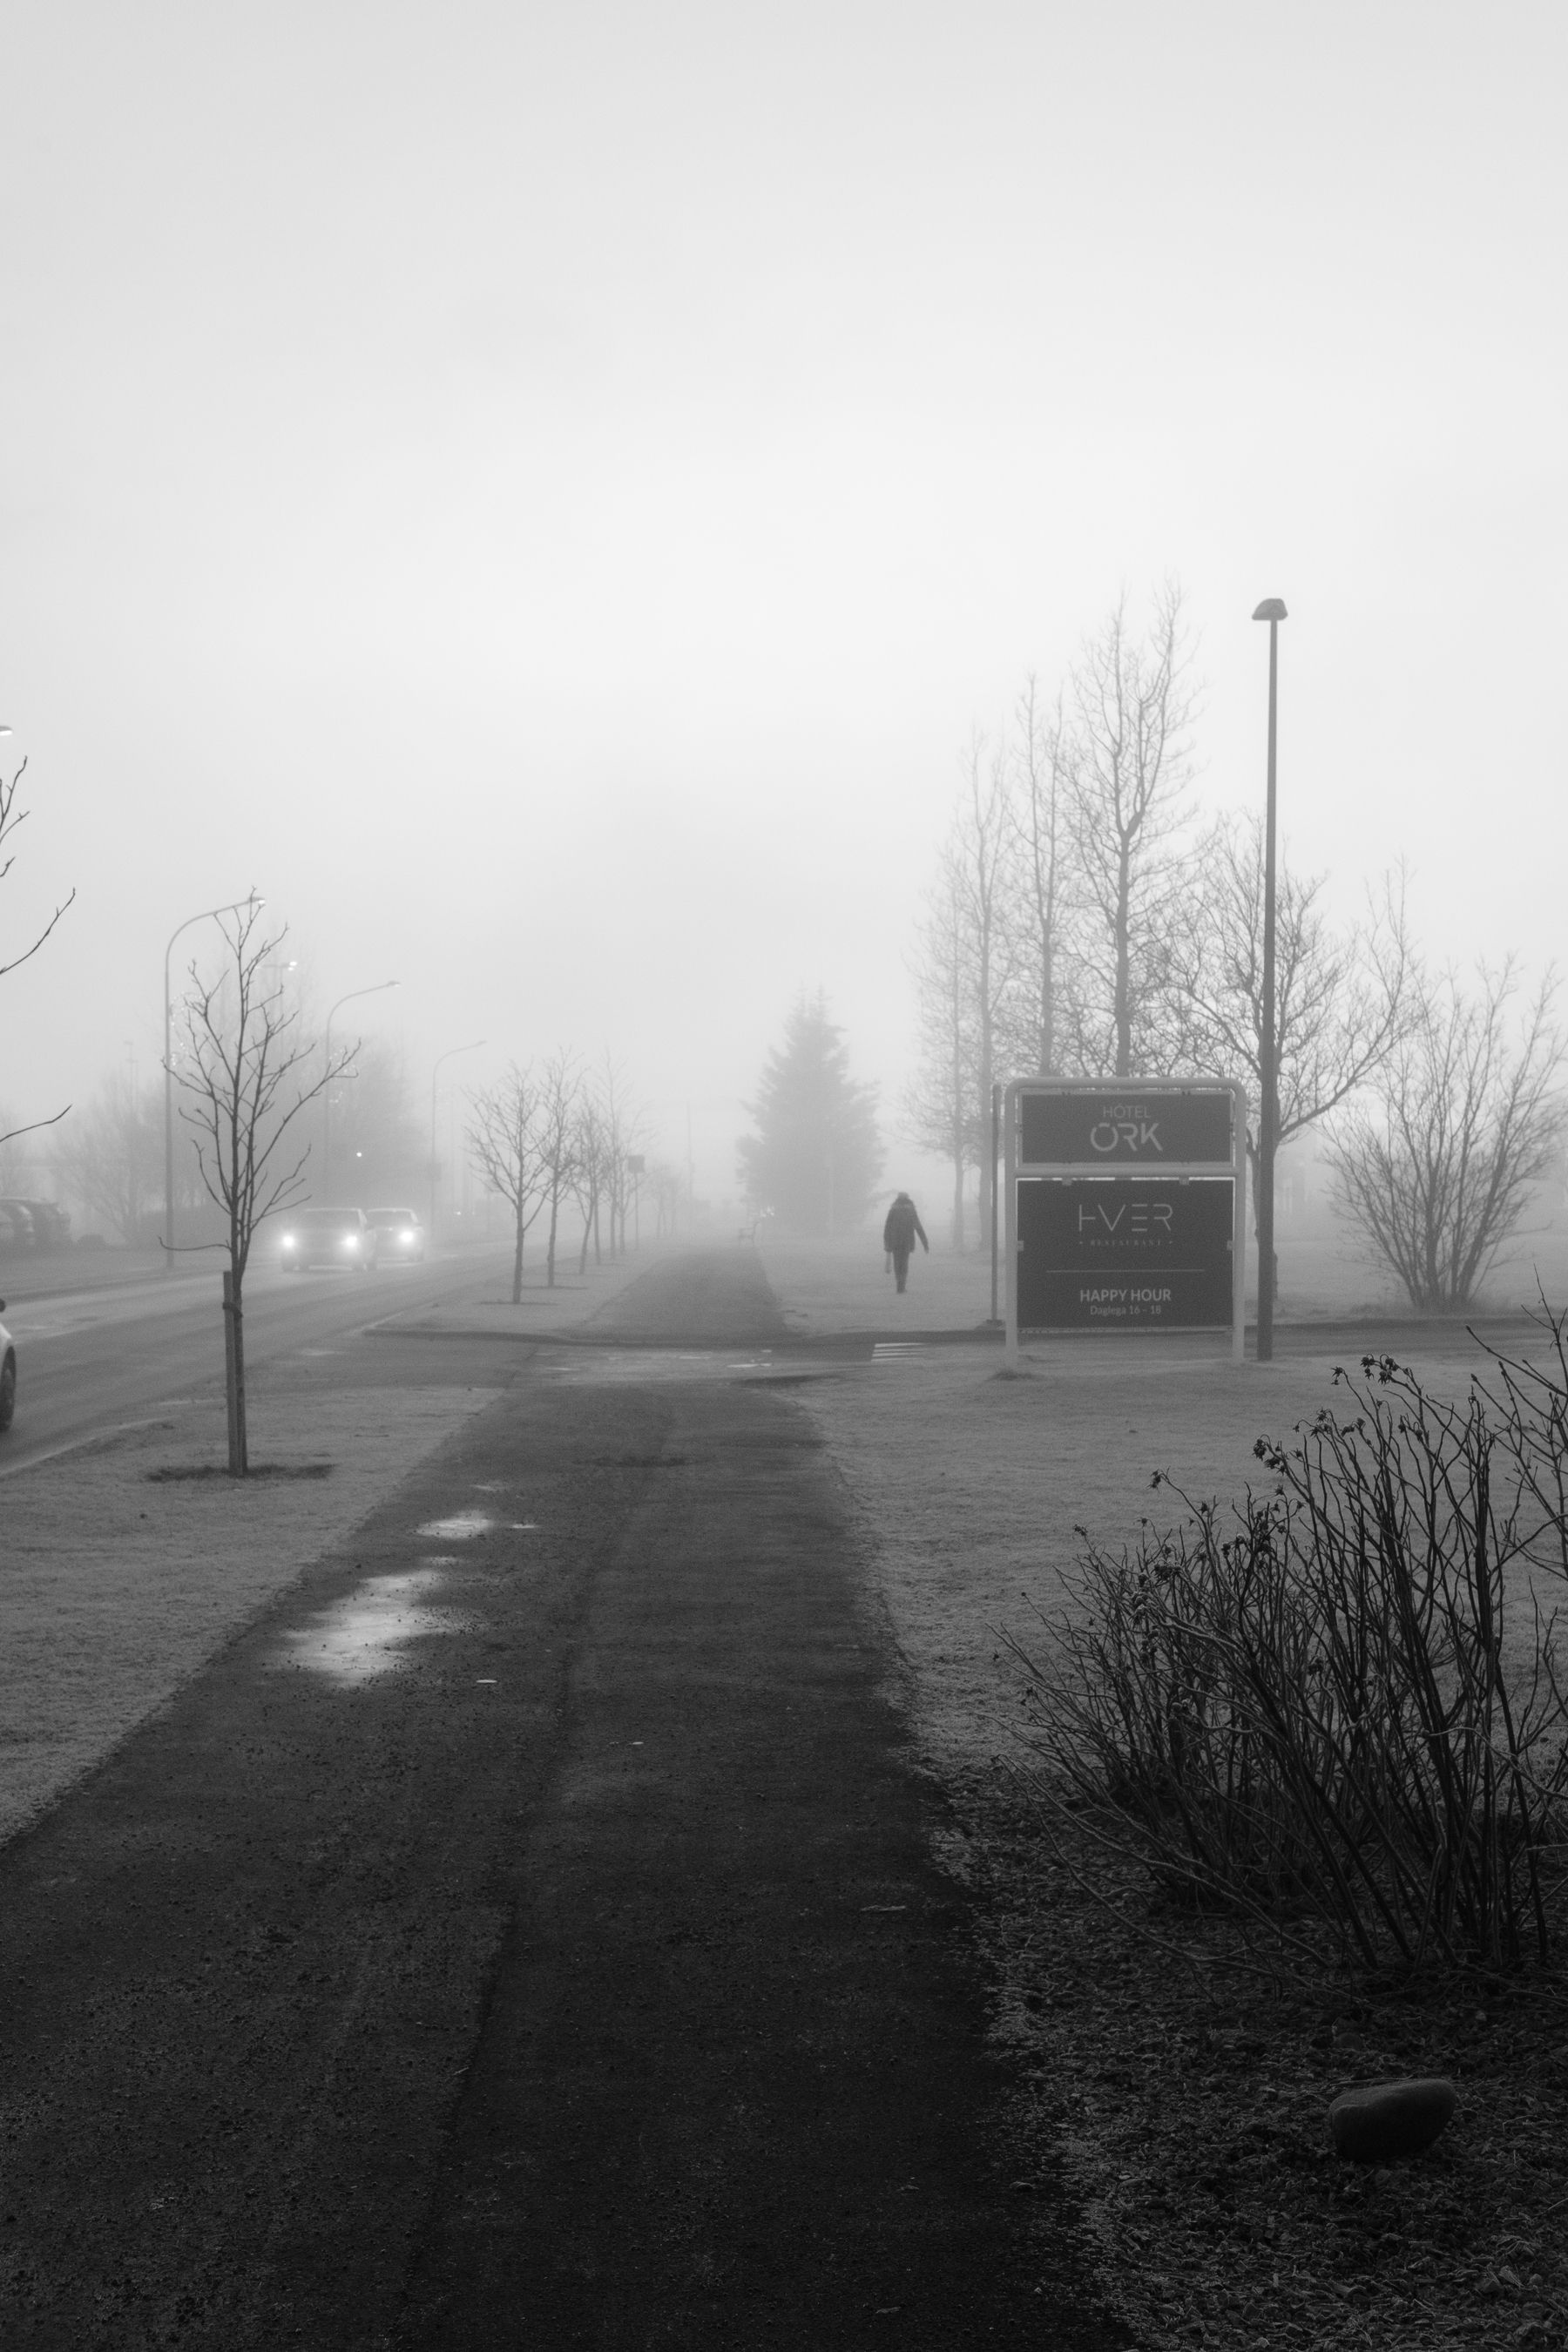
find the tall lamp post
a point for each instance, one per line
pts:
(1272, 610)
(471, 1047)
(327, 1089)
(235, 907)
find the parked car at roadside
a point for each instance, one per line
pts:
(17, 1231)
(51, 1224)
(401, 1236)
(7, 1374)
(327, 1237)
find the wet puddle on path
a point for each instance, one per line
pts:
(464, 1526)
(371, 1631)
(460, 1527)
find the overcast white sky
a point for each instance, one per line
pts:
(544, 493)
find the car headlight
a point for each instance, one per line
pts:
(350, 1241)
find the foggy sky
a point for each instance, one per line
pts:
(546, 494)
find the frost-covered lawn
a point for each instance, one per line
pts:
(974, 1484)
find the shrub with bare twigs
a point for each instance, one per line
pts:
(1338, 1717)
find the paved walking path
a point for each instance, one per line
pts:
(524, 1933)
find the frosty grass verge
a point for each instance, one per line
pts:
(118, 1585)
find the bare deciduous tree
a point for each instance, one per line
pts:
(966, 966)
(1341, 997)
(111, 1158)
(936, 1108)
(1132, 707)
(1437, 1175)
(1042, 771)
(590, 1170)
(624, 1141)
(504, 1149)
(559, 1090)
(244, 1071)
(11, 816)
(982, 841)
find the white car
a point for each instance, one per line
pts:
(7, 1373)
(327, 1237)
(400, 1236)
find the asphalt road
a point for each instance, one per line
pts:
(563, 1963)
(94, 1358)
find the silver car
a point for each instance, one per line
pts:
(401, 1236)
(327, 1237)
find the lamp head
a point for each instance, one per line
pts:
(1271, 609)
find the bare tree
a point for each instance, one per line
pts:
(980, 843)
(376, 1132)
(112, 1157)
(1042, 779)
(626, 1134)
(590, 1173)
(1131, 707)
(624, 1125)
(965, 966)
(243, 1071)
(504, 1149)
(1467, 1122)
(936, 1108)
(1341, 997)
(668, 1186)
(559, 1090)
(11, 816)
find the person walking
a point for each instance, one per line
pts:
(899, 1235)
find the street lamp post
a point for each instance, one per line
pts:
(234, 907)
(471, 1047)
(326, 1088)
(1272, 610)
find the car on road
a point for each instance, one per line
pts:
(51, 1224)
(401, 1236)
(17, 1231)
(327, 1237)
(7, 1374)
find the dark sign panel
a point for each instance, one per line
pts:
(1129, 1129)
(1118, 1257)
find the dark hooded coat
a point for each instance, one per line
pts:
(903, 1225)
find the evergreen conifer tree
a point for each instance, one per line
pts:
(816, 1156)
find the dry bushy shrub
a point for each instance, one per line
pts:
(1307, 1716)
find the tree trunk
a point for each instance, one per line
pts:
(1123, 1004)
(517, 1259)
(550, 1254)
(234, 1366)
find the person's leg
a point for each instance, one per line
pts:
(901, 1265)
